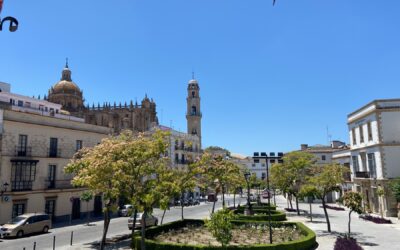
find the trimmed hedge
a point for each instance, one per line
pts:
(275, 216)
(254, 208)
(306, 243)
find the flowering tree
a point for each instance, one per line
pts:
(352, 200)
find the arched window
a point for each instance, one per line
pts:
(193, 94)
(194, 110)
(194, 132)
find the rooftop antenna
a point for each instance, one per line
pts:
(328, 136)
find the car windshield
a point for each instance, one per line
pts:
(17, 220)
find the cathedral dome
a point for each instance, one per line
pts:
(65, 85)
(193, 81)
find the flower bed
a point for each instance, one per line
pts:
(333, 208)
(375, 219)
(191, 235)
(346, 244)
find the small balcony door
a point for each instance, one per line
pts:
(52, 176)
(22, 145)
(53, 147)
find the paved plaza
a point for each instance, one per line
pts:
(368, 234)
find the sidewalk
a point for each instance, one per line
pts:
(368, 234)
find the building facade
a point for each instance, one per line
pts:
(133, 116)
(257, 166)
(36, 142)
(374, 133)
(193, 112)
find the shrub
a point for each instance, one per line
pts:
(275, 216)
(346, 244)
(220, 226)
(374, 219)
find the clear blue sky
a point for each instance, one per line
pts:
(271, 78)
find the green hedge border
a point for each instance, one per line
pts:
(275, 216)
(306, 243)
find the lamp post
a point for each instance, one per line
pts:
(265, 156)
(3, 190)
(247, 176)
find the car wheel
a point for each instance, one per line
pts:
(20, 234)
(46, 229)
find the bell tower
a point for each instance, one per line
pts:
(193, 113)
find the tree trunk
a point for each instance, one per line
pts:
(223, 197)
(88, 213)
(234, 199)
(213, 206)
(297, 205)
(349, 221)
(290, 201)
(134, 222)
(326, 214)
(274, 196)
(310, 211)
(142, 242)
(182, 205)
(105, 227)
(162, 218)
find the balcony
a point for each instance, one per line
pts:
(21, 186)
(23, 151)
(54, 152)
(362, 174)
(58, 184)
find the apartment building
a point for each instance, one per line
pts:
(374, 132)
(37, 141)
(257, 165)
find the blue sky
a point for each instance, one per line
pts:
(271, 78)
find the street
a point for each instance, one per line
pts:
(84, 236)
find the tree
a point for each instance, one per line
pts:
(220, 226)
(87, 196)
(308, 192)
(96, 170)
(326, 179)
(394, 186)
(353, 201)
(218, 173)
(291, 174)
(186, 179)
(381, 193)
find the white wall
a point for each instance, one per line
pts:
(390, 127)
(392, 163)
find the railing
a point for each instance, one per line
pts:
(21, 185)
(58, 184)
(362, 174)
(54, 152)
(23, 151)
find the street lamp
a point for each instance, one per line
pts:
(247, 176)
(4, 189)
(265, 156)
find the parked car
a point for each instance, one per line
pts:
(150, 221)
(26, 224)
(266, 194)
(253, 197)
(125, 211)
(212, 197)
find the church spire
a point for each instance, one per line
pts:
(66, 73)
(66, 63)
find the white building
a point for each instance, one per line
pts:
(374, 132)
(257, 167)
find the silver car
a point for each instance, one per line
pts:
(126, 210)
(26, 224)
(150, 221)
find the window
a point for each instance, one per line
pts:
(78, 145)
(256, 161)
(53, 147)
(51, 177)
(194, 110)
(22, 175)
(353, 135)
(20, 103)
(355, 163)
(272, 161)
(193, 94)
(323, 157)
(176, 144)
(372, 165)
(194, 132)
(263, 175)
(176, 158)
(22, 145)
(361, 134)
(263, 165)
(253, 165)
(18, 208)
(369, 131)
(27, 104)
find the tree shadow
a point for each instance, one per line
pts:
(361, 238)
(116, 242)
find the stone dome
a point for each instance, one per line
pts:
(65, 86)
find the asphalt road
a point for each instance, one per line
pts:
(84, 235)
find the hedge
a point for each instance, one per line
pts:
(275, 216)
(306, 243)
(256, 207)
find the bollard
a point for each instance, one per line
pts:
(72, 237)
(34, 245)
(54, 242)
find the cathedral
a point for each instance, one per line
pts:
(133, 116)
